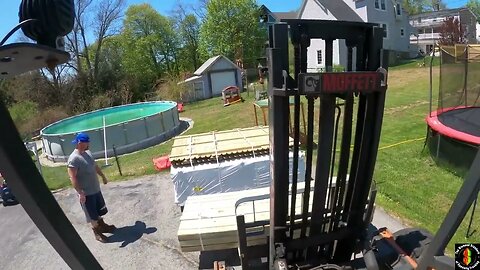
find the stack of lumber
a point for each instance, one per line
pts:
(208, 222)
(220, 145)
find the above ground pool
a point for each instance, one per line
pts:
(129, 128)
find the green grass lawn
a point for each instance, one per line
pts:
(411, 185)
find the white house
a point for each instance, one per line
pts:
(428, 26)
(387, 13)
(477, 31)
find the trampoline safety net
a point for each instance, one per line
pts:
(459, 77)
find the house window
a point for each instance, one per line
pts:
(429, 49)
(402, 32)
(399, 10)
(319, 57)
(380, 4)
(385, 30)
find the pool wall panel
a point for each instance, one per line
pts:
(153, 124)
(135, 131)
(168, 120)
(116, 136)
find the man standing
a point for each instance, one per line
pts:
(83, 171)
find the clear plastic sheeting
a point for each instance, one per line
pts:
(227, 176)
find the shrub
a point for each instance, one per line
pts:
(21, 112)
(33, 126)
(51, 115)
(169, 89)
(101, 101)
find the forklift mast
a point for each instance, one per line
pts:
(338, 198)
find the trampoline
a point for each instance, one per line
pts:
(454, 127)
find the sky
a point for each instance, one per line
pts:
(9, 9)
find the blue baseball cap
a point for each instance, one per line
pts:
(81, 137)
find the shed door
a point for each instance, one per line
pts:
(198, 90)
(220, 80)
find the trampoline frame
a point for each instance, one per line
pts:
(435, 124)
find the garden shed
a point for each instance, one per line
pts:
(212, 77)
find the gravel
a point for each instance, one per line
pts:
(142, 209)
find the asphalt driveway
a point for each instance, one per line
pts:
(147, 221)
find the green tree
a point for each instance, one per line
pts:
(150, 42)
(436, 5)
(111, 72)
(414, 6)
(187, 26)
(108, 12)
(474, 6)
(5, 95)
(95, 22)
(150, 48)
(418, 6)
(189, 29)
(232, 28)
(105, 15)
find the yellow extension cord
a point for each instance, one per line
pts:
(392, 145)
(399, 143)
